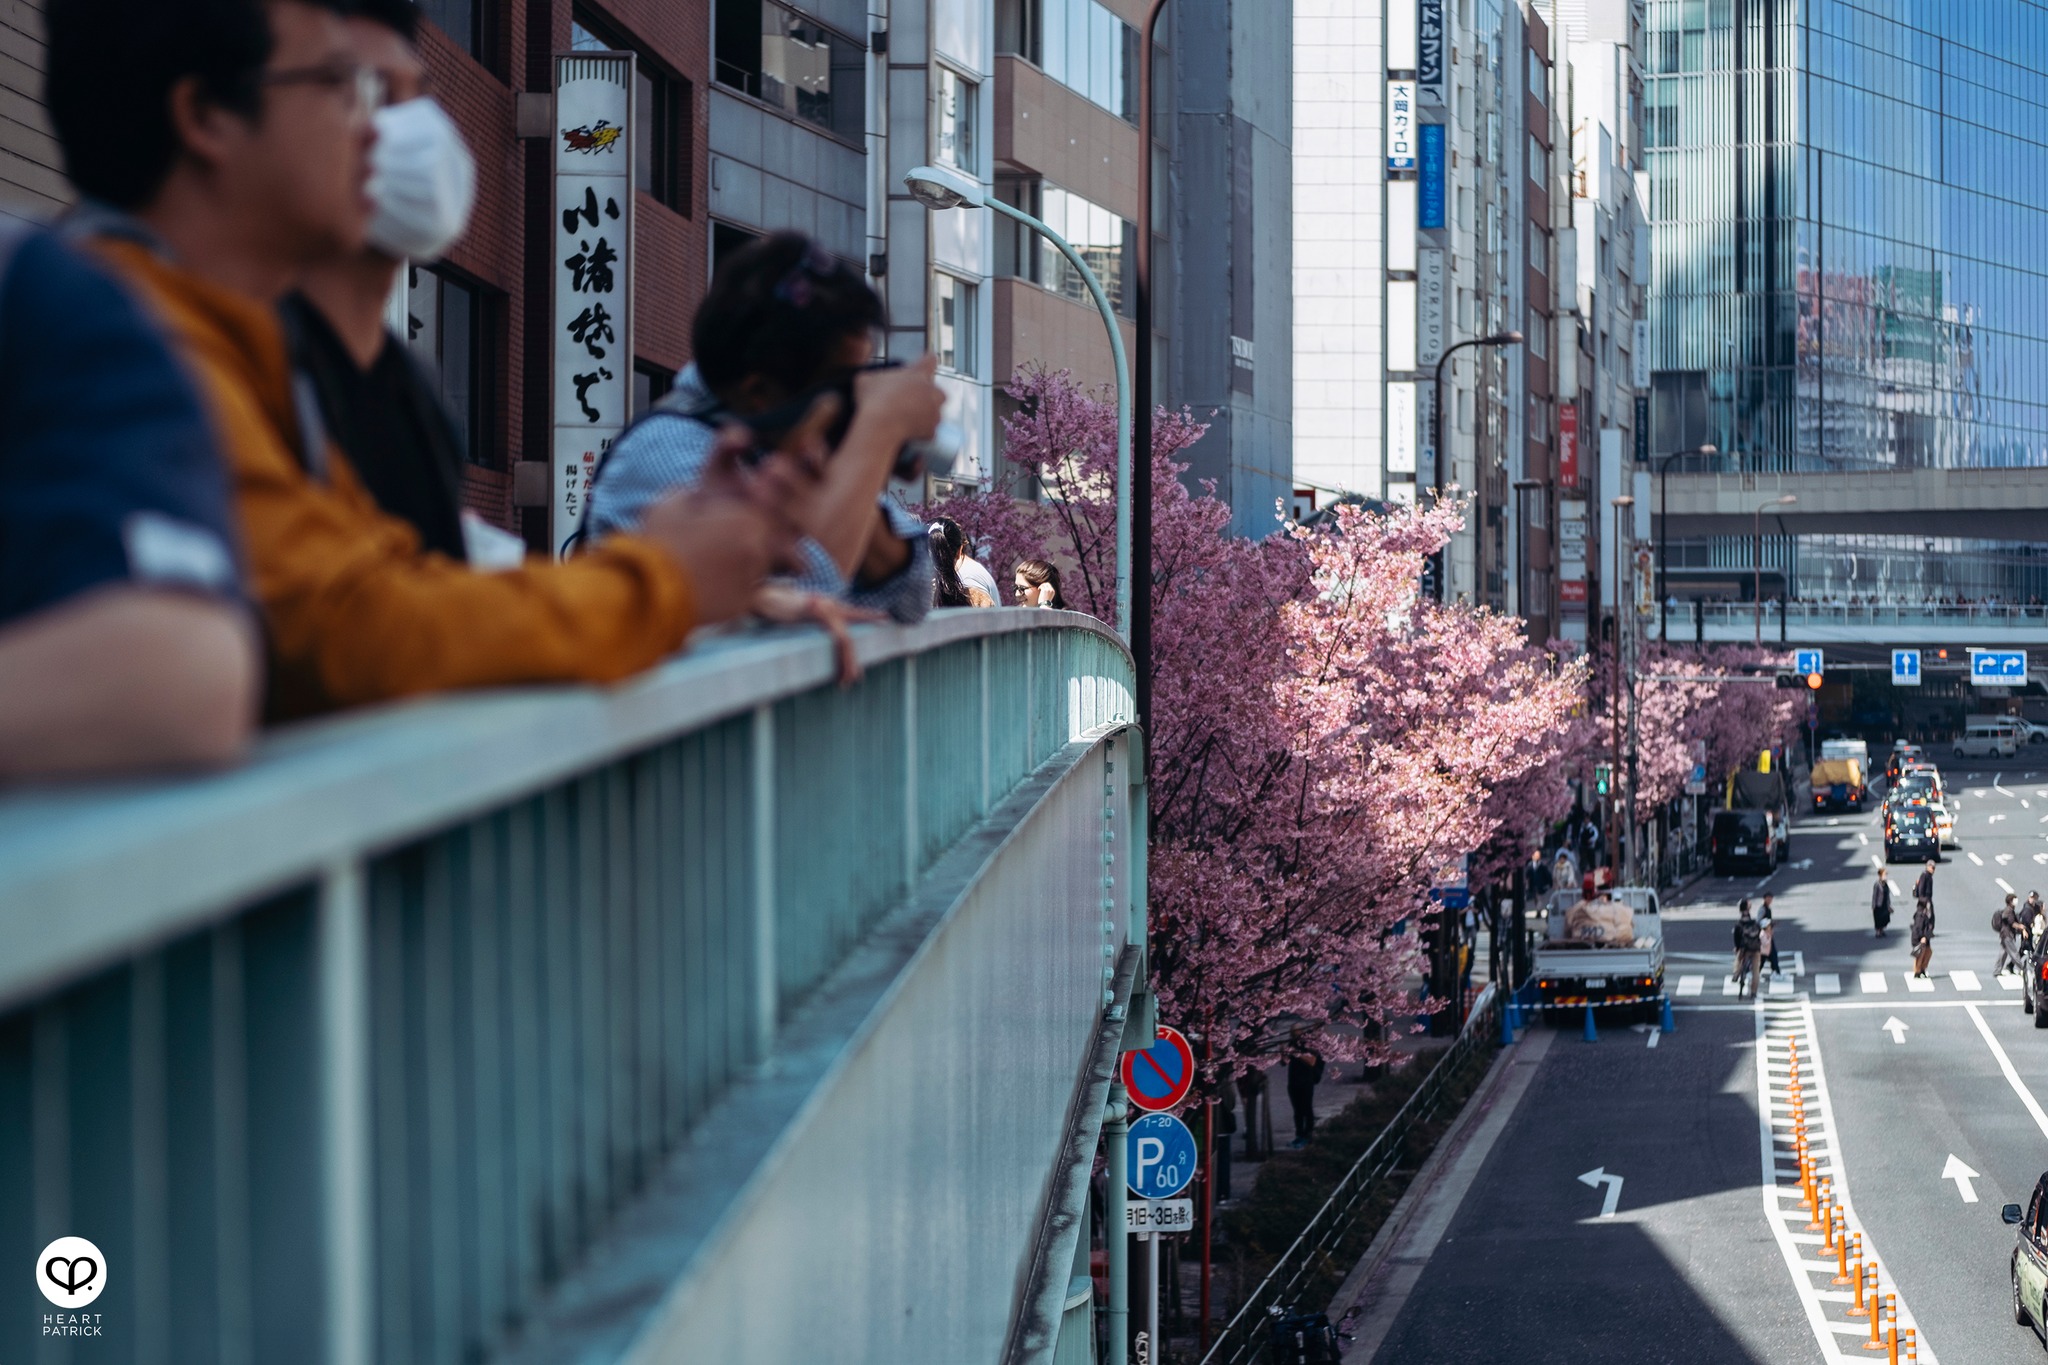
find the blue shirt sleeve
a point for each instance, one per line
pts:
(112, 473)
(664, 452)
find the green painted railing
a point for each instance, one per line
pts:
(369, 1051)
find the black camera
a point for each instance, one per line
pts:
(934, 455)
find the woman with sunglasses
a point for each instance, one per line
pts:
(785, 321)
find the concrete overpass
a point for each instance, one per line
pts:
(1985, 504)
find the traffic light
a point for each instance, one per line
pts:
(1790, 682)
(1603, 778)
(1813, 681)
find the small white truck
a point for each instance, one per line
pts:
(1608, 948)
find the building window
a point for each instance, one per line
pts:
(450, 328)
(661, 116)
(953, 323)
(1101, 238)
(1539, 161)
(1079, 43)
(469, 24)
(953, 126)
(651, 383)
(1539, 78)
(725, 240)
(1539, 334)
(791, 62)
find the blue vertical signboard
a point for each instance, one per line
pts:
(1430, 211)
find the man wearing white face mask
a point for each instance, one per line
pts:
(375, 401)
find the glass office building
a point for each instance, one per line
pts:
(1850, 247)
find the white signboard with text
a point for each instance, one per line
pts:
(593, 232)
(1401, 417)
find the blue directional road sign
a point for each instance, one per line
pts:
(1905, 668)
(1806, 661)
(1998, 667)
(1160, 1153)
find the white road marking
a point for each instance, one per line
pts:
(1996, 818)
(2041, 857)
(1655, 1034)
(1966, 981)
(2012, 1077)
(1861, 837)
(1691, 984)
(2003, 884)
(1975, 859)
(2008, 981)
(1997, 787)
(1730, 986)
(1874, 983)
(1827, 983)
(1597, 1177)
(1920, 984)
(1896, 1027)
(2002, 859)
(1783, 1209)
(1781, 986)
(1955, 1170)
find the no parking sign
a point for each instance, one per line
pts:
(1158, 1077)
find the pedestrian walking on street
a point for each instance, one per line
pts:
(1741, 914)
(2005, 922)
(2031, 914)
(1880, 903)
(1304, 1072)
(1748, 950)
(1767, 921)
(1922, 936)
(1923, 890)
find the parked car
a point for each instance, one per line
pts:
(1746, 839)
(1987, 741)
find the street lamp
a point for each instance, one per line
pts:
(1663, 517)
(1621, 506)
(1436, 429)
(1757, 559)
(938, 188)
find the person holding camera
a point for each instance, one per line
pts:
(784, 323)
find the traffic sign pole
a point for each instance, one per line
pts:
(1117, 1135)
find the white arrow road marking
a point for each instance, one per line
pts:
(1596, 1178)
(1655, 1034)
(1996, 818)
(1955, 1170)
(1966, 981)
(1874, 983)
(1896, 1027)
(1802, 865)
(2041, 857)
(1975, 859)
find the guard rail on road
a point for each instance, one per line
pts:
(521, 1025)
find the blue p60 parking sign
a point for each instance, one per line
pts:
(1160, 1153)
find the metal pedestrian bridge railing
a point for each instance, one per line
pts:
(727, 1015)
(1824, 622)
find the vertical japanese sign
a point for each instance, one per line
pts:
(1429, 49)
(1401, 427)
(593, 266)
(1401, 125)
(1568, 446)
(1430, 215)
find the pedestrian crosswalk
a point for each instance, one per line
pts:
(1958, 981)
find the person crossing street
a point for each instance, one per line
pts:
(1921, 935)
(1748, 950)
(2005, 922)
(1923, 894)
(1880, 903)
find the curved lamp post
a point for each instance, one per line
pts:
(939, 188)
(1436, 431)
(1757, 556)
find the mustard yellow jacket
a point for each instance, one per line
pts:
(354, 611)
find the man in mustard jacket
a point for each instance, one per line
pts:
(230, 139)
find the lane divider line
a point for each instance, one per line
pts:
(1792, 1094)
(2012, 1077)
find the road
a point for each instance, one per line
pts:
(1708, 1255)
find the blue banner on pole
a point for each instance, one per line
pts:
(1432, 167)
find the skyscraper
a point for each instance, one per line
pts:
(1849, 269)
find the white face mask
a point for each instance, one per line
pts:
(422, 179)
